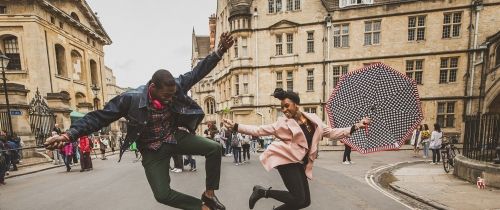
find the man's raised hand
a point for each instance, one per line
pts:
(55, 142)
(225, 42)
(228, 123)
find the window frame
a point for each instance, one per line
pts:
(448, 69)
(452, 25)
(310, 42)
(445, 118)
(310, 80)
(311, 109)
(289, 80)
(279, 79)
(270, 5)
(372, 32)
(245, 84)
(342, 69)
(244, 47)
(289, 43)
(417, 27)
(13, 52)
(414, 70)
(236, 50)
(340, 35)
(237, 85)
(279, 45)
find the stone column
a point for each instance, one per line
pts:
(59, 103)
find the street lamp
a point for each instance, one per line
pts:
(5, 62)
(95, 90)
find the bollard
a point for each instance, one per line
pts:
(497, 160)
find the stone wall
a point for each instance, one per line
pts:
(469, 170)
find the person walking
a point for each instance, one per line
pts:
(191, 161)
(426, 135)
(245, 146)
(435, 143)
(162, 119)
(346, 159)
(103, 145)
(294, 155)
(236, 145)
(3, 159)
(84, 147)
(416, 139)
(133, 147)
(67, 154)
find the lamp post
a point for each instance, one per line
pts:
(95, 90)
(5, 62)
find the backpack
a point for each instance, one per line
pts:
(235, 141)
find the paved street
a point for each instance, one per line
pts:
(123, 185)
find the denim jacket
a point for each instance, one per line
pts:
(133, 106)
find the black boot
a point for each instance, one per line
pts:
(212, 203)
(258, 193)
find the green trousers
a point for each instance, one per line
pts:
(157, 164)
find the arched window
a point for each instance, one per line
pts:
(75, 16)
(210, 106)
(61, 61)
(11, 49)
(76, 62)
(80, 98)
(93, 72)
(497, 56)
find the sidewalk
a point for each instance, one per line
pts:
(34, 165)
(430, 184)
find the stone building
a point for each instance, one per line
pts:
(55, 47)
(203, 92)
(306, 46)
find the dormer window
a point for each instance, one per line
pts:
(346, 3)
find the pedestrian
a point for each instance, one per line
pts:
(178, 167)
(346, 159)
(426, 135)
(67, 153)
(13, 151)
(191, 161)
(85, 160)
(416, 139)
(57, 129)
(133, 147)
(229, 137)
(162, 119)
(236, 145)
(294, 155)
(435, 143)
(3, 159)
(245, 146)
(102, 146)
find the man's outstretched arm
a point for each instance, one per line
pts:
(93, 121)
(205, 66)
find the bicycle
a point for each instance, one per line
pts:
(448, 152)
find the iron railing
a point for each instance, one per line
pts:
(4, 121)
(481, 137)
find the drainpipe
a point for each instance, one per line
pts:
(256, 63)
(48, 62)
(477, 7)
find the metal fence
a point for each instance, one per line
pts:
(481, 136)
(4, 121)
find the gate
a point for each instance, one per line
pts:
(42, 119)
(482, 136)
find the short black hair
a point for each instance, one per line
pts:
(162, 78)
(280, 94)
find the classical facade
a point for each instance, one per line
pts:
(448, 47)
(55, 47)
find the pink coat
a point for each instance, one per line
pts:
(293, 145)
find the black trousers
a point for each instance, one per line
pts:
(295, 180)
(436, 155)
(347, 153)
(85, 160)
(246, 151)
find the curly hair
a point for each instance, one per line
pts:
(281, 94)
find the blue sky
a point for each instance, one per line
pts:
(150, 34)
